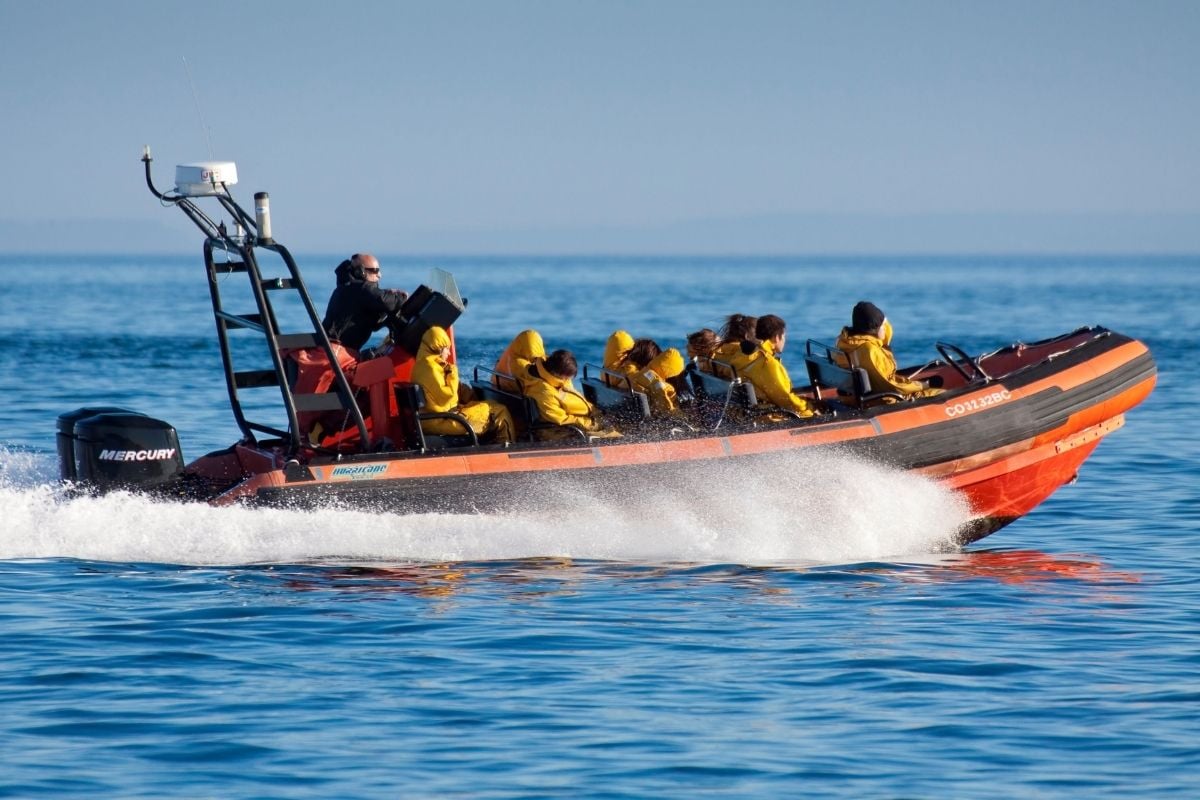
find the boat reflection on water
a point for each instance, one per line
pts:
(1024, 566)
(426, 580)
(532, 578)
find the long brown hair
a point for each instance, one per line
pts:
(702, 343)
(642, 353)
(738, 328)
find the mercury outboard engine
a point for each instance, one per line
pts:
(118, 449)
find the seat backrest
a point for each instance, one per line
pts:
(849, 382)
(410, 396)
(713, 388)
(716, 396)
(823, 373)
(410, 399)
(622, 404)
(522, 409)
(708, 386)
(614, 394)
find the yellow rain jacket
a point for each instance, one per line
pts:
(771, 381)
(516, 359)
(739, 359)
(653, 380)
(616, 348)
(870, 353)
(439, 379)
(557, 401)
(728, 352)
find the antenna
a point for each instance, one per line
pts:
(199, 114)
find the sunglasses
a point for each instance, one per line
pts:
(370, 271)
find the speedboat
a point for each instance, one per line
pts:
(1010, 426)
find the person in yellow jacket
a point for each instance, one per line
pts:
(866, 344)
(625, 355)
(521, 352)
(548, 384)
(766, 372)
(738, 328)
(659, 380)
(439, 378)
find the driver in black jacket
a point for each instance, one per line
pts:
(358, 307)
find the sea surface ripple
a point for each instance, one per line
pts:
(804, 631)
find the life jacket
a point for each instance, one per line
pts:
(654, 380)
(314, 375)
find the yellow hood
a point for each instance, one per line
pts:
(433, 341)
(615, 349)
(848, 341)
(667, 364)
(542, 372)
(527, 346)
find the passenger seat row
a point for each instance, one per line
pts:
(720, 396)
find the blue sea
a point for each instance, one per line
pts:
(800, 632)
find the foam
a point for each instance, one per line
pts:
(805, 508)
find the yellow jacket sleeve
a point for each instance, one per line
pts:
(772, 379)
(881, 368)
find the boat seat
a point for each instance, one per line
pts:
(852, 384)
(523, 409)
(517, 405)
(716, 395)
(410, 402)
(720, 390)
(614, 394)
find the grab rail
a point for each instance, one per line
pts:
(981, 374)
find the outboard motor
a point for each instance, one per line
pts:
(66, 437)
(125, 450)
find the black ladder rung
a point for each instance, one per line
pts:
(296, 341)
(254, 378)
(230, 266)
(329, 401)
(278, 283)
(251, 321)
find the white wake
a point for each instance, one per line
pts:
(807, 508)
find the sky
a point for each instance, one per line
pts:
(464, 127)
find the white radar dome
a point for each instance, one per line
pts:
(204, 178)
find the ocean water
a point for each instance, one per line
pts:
(799, 632)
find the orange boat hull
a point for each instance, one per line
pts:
(1006, 444)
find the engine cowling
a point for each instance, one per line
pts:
(125, 450)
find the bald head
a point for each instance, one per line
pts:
(369, 265)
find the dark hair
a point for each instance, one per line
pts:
(561, 364)
(642, 353)
(703, 342)
(768, 327)
(738, 328)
